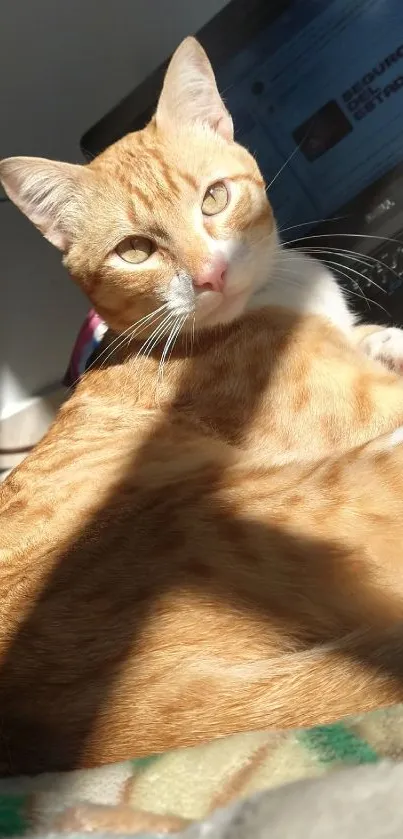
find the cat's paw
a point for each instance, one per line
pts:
(386, 346)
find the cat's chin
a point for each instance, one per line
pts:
(221, 309)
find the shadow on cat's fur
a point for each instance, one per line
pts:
(97, 608)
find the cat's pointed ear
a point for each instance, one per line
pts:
(190, 94)
(48, 192)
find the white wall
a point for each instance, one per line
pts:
(63, 65)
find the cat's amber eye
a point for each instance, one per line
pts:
(135, 249)
(215, 199)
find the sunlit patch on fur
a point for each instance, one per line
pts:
(395, 438)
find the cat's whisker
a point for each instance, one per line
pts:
(350, 279)
(128, 338)
(145, 322)
(346, 235)
(156, 336)
(156, 322)
(97, 359)
(148, 345)
(141, 328)
(338, 271)
(361, 295)
(193, 333)
(315, 221)
(343, 268)
(365, 259)
(134, 327)
(164, 351)
(362, 259)
(145, 326)
(179, 330)
(291, 280)
(289, 158)
(315, 251)
(350, 268)
(170, 343)
(363, 256)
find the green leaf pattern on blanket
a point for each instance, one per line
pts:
(13, 821)
(338, 744)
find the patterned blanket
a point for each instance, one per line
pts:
(164, 793)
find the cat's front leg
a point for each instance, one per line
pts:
(382, 343)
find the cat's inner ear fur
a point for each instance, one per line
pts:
(190, 94)
(49, 193)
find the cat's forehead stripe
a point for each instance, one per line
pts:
(138, 194)
(247, 176)
(189, 179)
(157, 232)
(153, 171)
(166, 174)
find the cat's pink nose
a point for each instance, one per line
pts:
(212, 275)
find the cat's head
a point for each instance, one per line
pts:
(173, 219)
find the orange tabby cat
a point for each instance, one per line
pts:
(209, 538)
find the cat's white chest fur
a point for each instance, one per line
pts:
(304, 285)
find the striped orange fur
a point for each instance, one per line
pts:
(213, 545)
